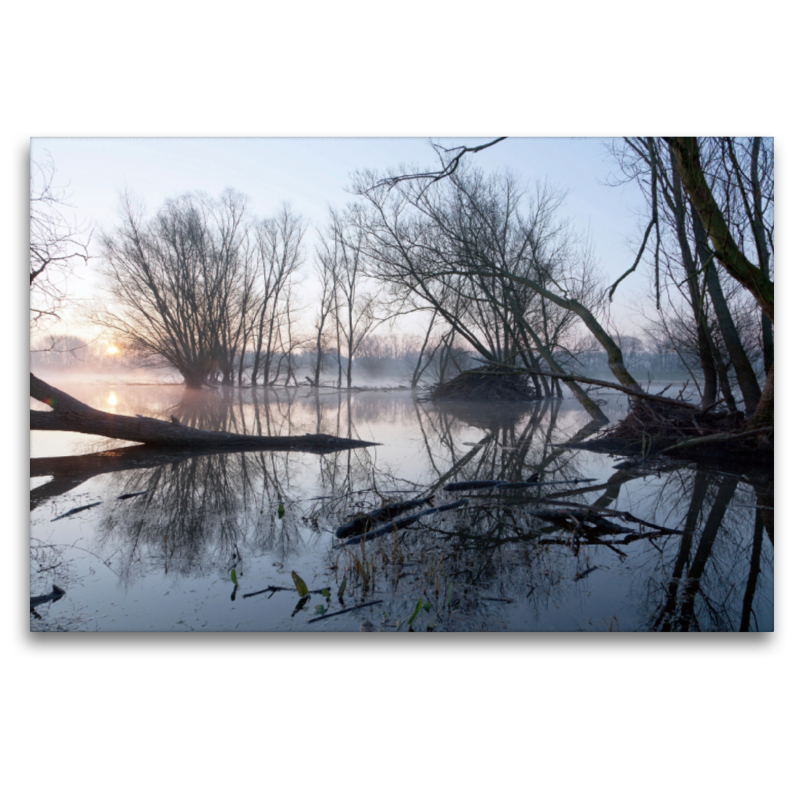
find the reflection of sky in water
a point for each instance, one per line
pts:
(162, 560)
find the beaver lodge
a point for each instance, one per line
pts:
(487, 384)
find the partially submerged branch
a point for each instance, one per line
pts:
(396, 525)
(719, 438)
(619, 387)
(69, 414)
(362, 523)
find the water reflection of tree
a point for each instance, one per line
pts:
(713, 582)
(710, 570)
(491, 547)
(215, 510)
(516, 443)
(701, 574)
(205, 511)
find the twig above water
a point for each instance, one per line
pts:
(345, 611)
(285, 589)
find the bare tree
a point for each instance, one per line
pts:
(57, 245)
(682, 237)
(326, 269)
(729, 237)
(289, 345)
(501, 275)
(725, 232)
(178, 285)
(354, 306)
(279, 255)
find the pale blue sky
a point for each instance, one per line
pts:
(313, 173)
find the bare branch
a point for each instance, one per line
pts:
(447, 169)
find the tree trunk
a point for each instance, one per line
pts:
(765, 411)
(745, 375)
(196, 379)
(724, 383)
(704, 342)
(687, 153)
(616, 363)
(582, 397)
(318, 364)
(617, 387)
(761, 245)
(69, 414)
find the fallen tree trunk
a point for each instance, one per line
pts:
(618, 386)
(69, 414)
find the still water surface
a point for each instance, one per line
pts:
(163, 558)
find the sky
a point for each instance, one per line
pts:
(312, 174)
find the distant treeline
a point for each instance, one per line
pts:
(398, 357)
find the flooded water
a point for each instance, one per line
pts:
(141, 541)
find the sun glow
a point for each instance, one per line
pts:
(112, 349)
(112, 399)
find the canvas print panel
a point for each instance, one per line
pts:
(393, 385)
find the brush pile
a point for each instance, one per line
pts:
(684, 431)
(487, 384)
(673, 423)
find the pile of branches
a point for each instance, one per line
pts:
(487, 384)
(652, 427)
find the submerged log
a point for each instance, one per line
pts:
(69, 414)
(365, 522)
(398, 524)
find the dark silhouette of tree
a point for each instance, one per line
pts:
(57, 245)
(180, 285)
(508, 278)
(278, 255)
(681, 239)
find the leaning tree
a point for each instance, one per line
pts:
(739, 174)
(743, 248)
(504, 273)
